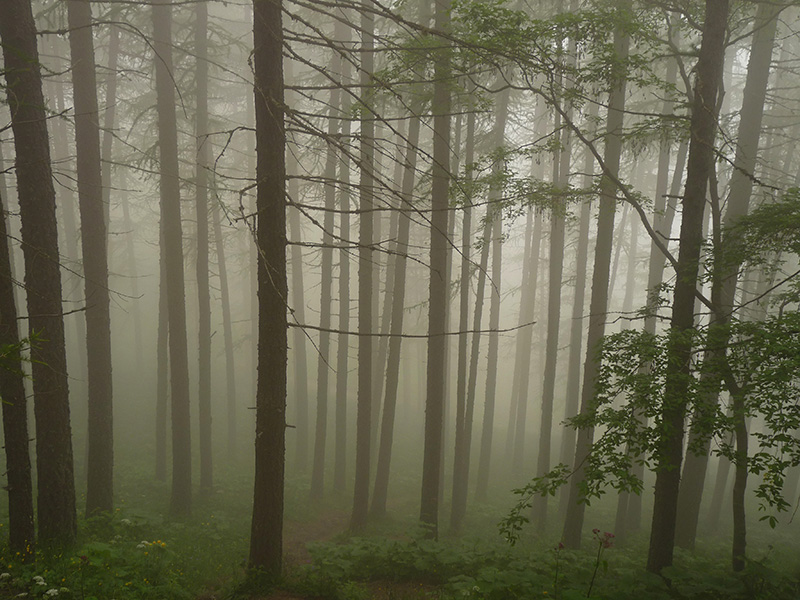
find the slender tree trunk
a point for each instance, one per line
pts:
(365, 278)
(181, 498)
(669, 449)
(162, 366)
(463, 431)
(437, 307)
(56, 485)
(726, 274)
(100, 467)
(573, 390)
(266, 545)
(381, 491)
(227, 330)
(343, 345)
(15, 409)
(202, 167)
(487, 430)
(326, 287)
(598, 304)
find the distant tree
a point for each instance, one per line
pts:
(55, 479)
(266, 539)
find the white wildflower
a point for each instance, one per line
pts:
(125, 522)
(4, 576)
(53, 592)
(39, 580)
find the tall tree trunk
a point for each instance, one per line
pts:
(381, 491)
(181, 498)
(725, 273)
(343, 345)
(266, 546)
(326, 284)
(573, 390)
(227, 330)
(55, 479)
(561, 160)
(487, 430)
(462, 434)
(100, 438)
(365, 276)
(598, 304)
(437, 307)
(15, 409)
(162, 365)
(202, 167)
(669, 450)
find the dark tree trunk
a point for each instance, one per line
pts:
(202, 167)
(266, 545)
(55, 479)
(15, 409)
(100, 467)
(381, 491)
(669, 450)
(181, 498)
(437, 307)
(726, 274)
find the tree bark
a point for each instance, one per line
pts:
(55, 479)
(266, 545)
(15, 409)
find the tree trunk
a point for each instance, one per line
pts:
(725, 273)
(100, 439)
(326, 286)
(598, 304)
(381, 491)
(487, 430)
(365, 278)
(669, 450)
(15, 409)
(266, 545)
(343, 345)
(56, 485)
(573, 390)
(181, 498)
(202, 167)
(463, 432)
(162, 365)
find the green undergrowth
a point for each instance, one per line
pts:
(481, 569)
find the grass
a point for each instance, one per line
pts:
(140, 553)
